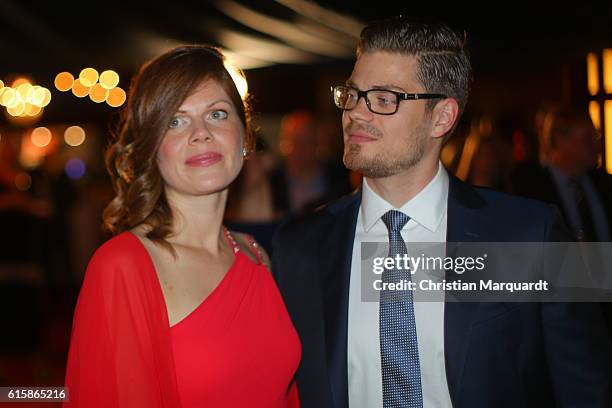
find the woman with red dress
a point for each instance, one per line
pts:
(175, 310)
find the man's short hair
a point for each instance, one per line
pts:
(443, 62)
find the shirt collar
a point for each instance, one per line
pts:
(426, 208)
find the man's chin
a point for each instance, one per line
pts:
(355, 162)
(368, 168)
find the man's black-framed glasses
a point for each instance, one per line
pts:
(380, 101)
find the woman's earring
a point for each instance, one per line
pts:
(244, 152)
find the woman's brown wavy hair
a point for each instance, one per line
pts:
(156, 93)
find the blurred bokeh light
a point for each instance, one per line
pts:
(109, 79)
(88, 77)
(116, 97)
(41, 136)
(75, 168)
(79, 89)
(74, 136)
(64, 81)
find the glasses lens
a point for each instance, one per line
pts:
(344, 97)
(382, 102)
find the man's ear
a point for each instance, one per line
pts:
(444, 116)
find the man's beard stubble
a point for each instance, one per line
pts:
(384, 163)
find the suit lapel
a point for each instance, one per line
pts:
(336, 250)
(464, 224)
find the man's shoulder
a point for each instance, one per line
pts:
(495, 204)
(512, 205)
(517, 218)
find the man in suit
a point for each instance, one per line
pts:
(569, 180)
(408, 88)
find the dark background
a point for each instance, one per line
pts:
(523, 53)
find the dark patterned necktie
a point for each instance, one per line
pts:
(587, 230)
(401, 372)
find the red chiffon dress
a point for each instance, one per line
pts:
(238, 348)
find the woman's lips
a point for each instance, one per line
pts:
(204, 160)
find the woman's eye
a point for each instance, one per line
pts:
(175, 122)
(219, 114)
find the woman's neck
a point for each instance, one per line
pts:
(197, 220)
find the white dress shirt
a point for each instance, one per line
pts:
(427, 212)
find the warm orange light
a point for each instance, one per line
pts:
(595, 114)
(37, 96)
(32, 110)
(20, 81)
(592, 73)
(30, 156)
(20, 100)
(46, 97)
(98, 94)
(16, 109)
(15, 101)
(80, 90)
(239, 79)
(1, 84)
(607, 70)
(63, 81)
(8, 96)
(88, 77)
(74, 136)
(116, 97)
(109, 79)
(24, 91)
(608, 135)
(41, 137)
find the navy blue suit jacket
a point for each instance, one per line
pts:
(497, 354)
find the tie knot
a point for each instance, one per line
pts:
(395, 220)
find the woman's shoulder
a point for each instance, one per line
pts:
(122, 250)
(251, 248)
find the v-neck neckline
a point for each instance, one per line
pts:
(222, 282)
